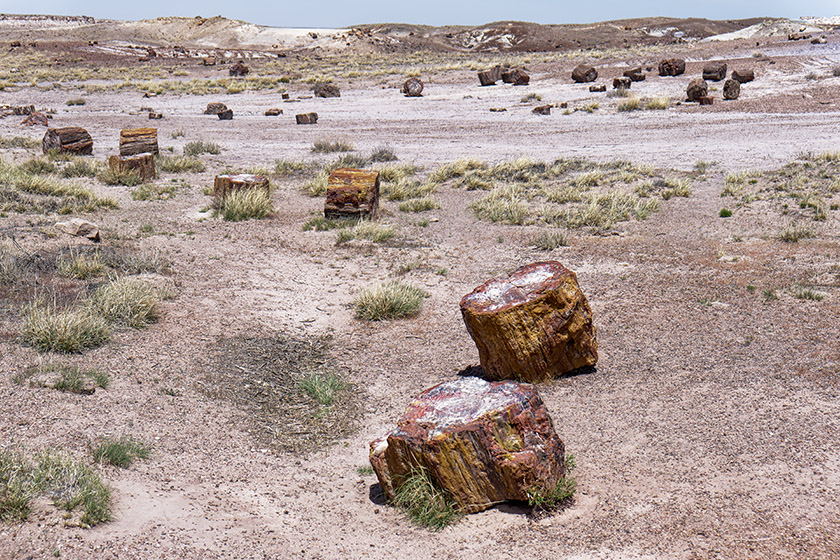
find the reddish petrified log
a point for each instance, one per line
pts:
(412, 87)
(483, 443)
(307, 118)
(519, 77)
(71, 139)
(223, 185)
(532, 325)
(635, 74)
(743, 76)
(138, 141)
(672, 67)
(584, 73)
(714, 71)
(141, 164)
(36, 118)
(731, 89)
(352, 193)
(697, 88)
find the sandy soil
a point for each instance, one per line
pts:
(708, 430)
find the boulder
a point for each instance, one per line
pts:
(731, 89)
(714, 71)
(743, 76)
(584, 73)
(697, 88)
(622, 83)
(326, 90)
(519, 77)
(635, 74)
(79, 228)
(412, 87)
(483, 443)
(239, 69)
(532, 325)
(306, 118)
(215, 108)
(672, 67)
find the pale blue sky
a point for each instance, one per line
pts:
(340, 13)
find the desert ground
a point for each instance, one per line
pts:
(708, 428)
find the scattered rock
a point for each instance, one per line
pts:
(542, 110)
(672, 67)
(706, 100)
(412, 87)
(226, 115)
(352, 193)
(273, 112)
(36, 119)
(714, 71)
(79, 228)
(697, 88)
(635, 74)
(584, 73)
(143, 164)
(532, 325)
(483, 443)
(731, 89)
(215, 108)
(153, 115)
(598, 88)
(519, 77)
(326, 90)
(223, 185)
(307, 118)
(71, 139)
(743, 76)
(621, 83)
(239, 69)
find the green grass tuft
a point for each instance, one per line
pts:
(425, 504)
(126, 302)
(246, 204)
(559, 495)
(389, 300)
(323, 387)
(120, 452)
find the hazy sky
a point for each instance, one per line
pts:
(340, 13)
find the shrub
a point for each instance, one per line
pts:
(323, 387)
(38, 166)
(120, 452)
(457, 168)
(531, 97)
(327, 147)
(725, 213)
(198, 147)
(246, 204)
(49, 329)
(630, 104)
(19, 142)
(320, 223)
(550, 240)
(317, 186)
(389, 300)
(425, 504)
(126, 302)
(383, 154)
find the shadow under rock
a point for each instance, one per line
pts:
(477, 371)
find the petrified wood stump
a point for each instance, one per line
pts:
(142, 164)
(714, 71)
(697, 88)
(584, 73)
(484, 443)
(533, 325)
(71, 139)
(215, 108)
(138, 141)
(223, 185)
(672, 67)
(352, 193)
(412, 87)
(307, 118)
(731, 89)
(743, 76)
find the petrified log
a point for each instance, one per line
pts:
(497, 109)
(284, 95)
(142, 164)
(155, 116)
(352, 193)
(223, 185)
(672, 67)
(71, 139)
(519, 77)
(307, 118)
(706, 100)
(22, 110)
(412, 87)
(598, 88)
(622, 83)
(542, 110)
(533, 325)
(798, 36)
(78, 227)
(584, 73)
(138, 141)
(209, 61)
(635, 74)
(215, 108)
(819, 41)
(731, 89)
(714, 71)
(326, 90)
(238, 69)
(36, 118)
(743, 76)
(483, 443)
(273, 112)
(489, 77)
(225, 115)
(697, 88)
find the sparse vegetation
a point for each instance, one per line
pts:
(179, 164)
(425, 504)
(286, 168)
(725, 213)
(50, 329)
(657, 104)
(246, 204)
(22, 191)
(81, 266)
(323, 387)
(76, 101)
(388, 300)
(559, 495)
(120, 452)
(128, 178)
(373, 231)
(199, 147)
(80, 167)
(419, 204)
(630, 104)
(795, 233)
(328, 147)
(806, 293)
(531, 97)
(549, 240)
(127, 302)
(150, 191)
(320, 223)
(383, 154)
(64, 378)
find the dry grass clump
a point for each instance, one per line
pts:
(38, 166)
(64, 378)
(120, 452)
(372, 231)
(504, 204)
(286, 168)
(24, 191)
(457, 168)
(388, 300)
(630, 104)
(330, 147)
(199, 147)
(150, 191)
(558, 496)
(80, 167)
(81, 266)
(128, 177)
(424, 502)
(423, 204)
(125, 302)
(75, 101)
(383, 154)
(19, 142)
(795, 233)
(246, 204)
(658, 104)
(179, 164)
(50, 329)
(549, 240)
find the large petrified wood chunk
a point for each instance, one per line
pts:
(412, 87)
(71, 139)
(491, 76)
(215, 108)
(142, 164)
(483, 443)
(635, 74)
(743, 76)
(306, 118)
(714, 71)
(239, 69)
(532, 325)
(223, 185)
(584, 73)
(138, 141)
(352, 193)
(731, 89)
(697, 88)
(672, 67)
